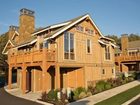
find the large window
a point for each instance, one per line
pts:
(107, 53)
(88, 46)
(69, 46)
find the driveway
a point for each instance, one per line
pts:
(7, 99)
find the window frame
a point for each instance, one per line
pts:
(90, 42)
(107, 53)
(69, 46)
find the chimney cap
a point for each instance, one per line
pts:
(25, 11)
(12, 27)
(124, 35)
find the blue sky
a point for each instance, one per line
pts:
(111, 16)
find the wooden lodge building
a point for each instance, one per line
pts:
(128, 58)
(70, 54)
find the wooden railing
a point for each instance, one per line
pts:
(127, 57)
(36, 56)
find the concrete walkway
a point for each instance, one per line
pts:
(29, 96)
(106, 94)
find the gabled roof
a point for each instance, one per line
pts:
(72, 23)
(9, 41)
(62, 27)
(29, 41)
(134, 44)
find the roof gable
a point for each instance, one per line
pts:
(6, 46)
(74, 22)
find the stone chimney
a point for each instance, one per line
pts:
(124, 43)
(26, 24)
(11, 31)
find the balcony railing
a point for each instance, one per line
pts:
(36, 56)
(128, 57)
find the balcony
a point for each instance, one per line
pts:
(31, 57)
(127, 57)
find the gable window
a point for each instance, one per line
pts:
(107, 53)
(46, 44)
(69, 46)
(89, 31)
(79, 28)
(88, 46)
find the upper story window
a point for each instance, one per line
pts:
(89, 31)
(46, 44)
(79, 28)
(103, 71)
(107, 53)
(69, 46)
(88, 46)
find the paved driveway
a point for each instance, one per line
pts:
(7, 99)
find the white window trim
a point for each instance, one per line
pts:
(110, 54)
(69, 47)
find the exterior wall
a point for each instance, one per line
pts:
(95, 61)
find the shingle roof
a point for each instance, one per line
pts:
(134, 44)
(30, 39)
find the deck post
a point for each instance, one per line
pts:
(23, 79)
(9, 77)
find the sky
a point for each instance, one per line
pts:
(113, 17)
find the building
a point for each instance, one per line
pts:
(128, 58)
(71, 54)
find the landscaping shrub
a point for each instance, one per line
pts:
(89, 94)
(52, 95)
(107, 85)
(82, 95)
(100, 86)
(77, 92)
(91, 89)
(44, 96)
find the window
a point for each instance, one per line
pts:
(69, 46)
(112, 71)
(80, 28)
(46, 44)
(103, 71)
(40, 45)
(107, 53)
(88, 46)
(89, 31)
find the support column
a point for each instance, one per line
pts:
(57, 77)
(24, 79)
(9, 77)
(44, 70)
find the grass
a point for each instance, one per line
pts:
(119, 99)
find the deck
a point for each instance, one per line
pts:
(33, 57)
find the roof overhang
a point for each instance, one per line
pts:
(51, 27)
(30, 43)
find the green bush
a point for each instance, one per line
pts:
(78, 91)
(107, 85)
(100, 86)
(52, 94)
